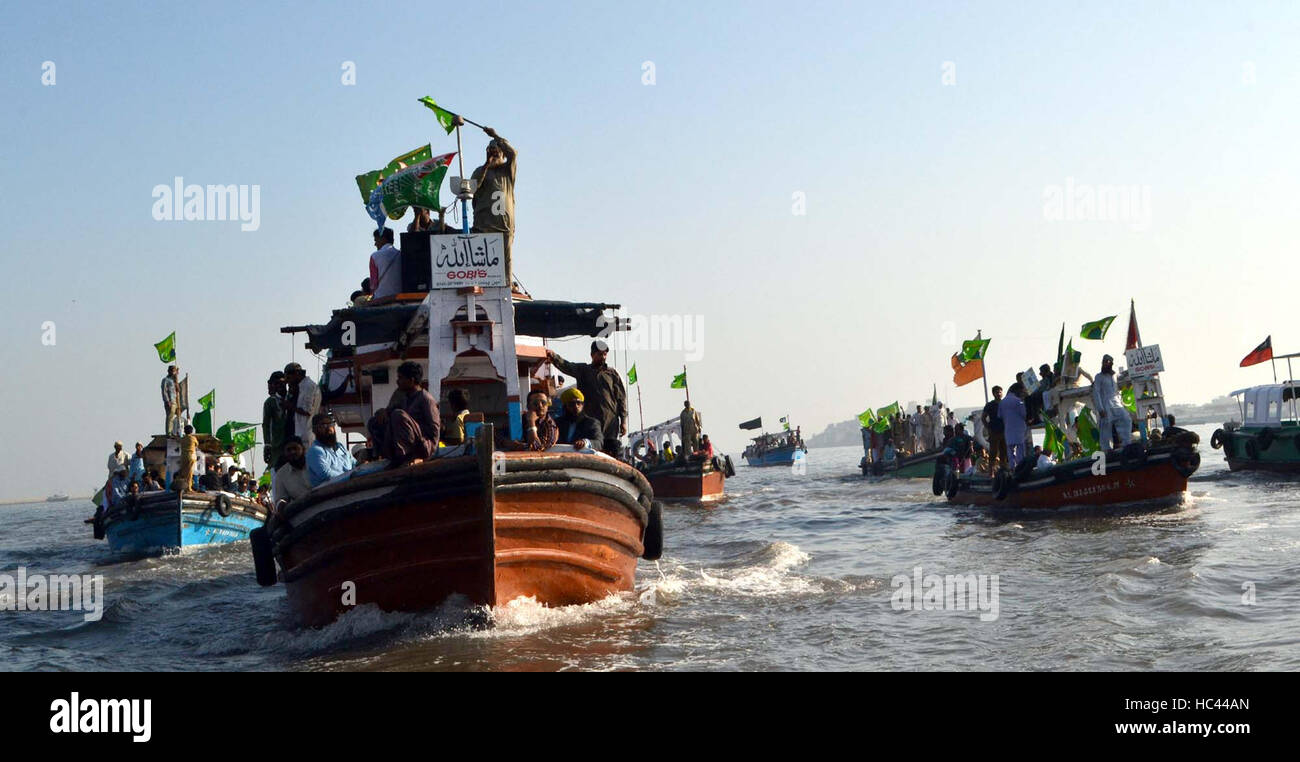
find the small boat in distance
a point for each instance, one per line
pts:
(779, 449)
(57, 497)
(685, 477)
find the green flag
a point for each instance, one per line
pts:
(974, 349)
(1130, 402)
(1087, 429)
(371, 180)
(631, 375)
(866, 418)
(167, 348)
(1053, 441)
(785, 424)
(209, 400)
(679, 381)
(227, 431)
(417, 185)
(444, 117)
(265, 478)
(1096, 330)
(202, 422)
(244, 440)
(888, 410)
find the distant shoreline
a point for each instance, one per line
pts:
(70, 499)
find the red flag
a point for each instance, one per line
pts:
(1134, 339)
(1259, 354)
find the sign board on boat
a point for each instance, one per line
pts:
(477, 259)
(1144, 362)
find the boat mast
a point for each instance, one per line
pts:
(463, 193)
(983, 369)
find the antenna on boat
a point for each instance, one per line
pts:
(464, 189)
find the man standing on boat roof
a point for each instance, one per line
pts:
(993, 431)
(602, 388)
(690, 421)
(494, 200)
(171, 402)
(1110, 406)
(385, 266)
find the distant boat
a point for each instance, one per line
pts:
(685, 477)
(774, 449)
(1268, 436)
(57, 497)
(164, 519)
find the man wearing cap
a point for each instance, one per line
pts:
(576, 427)
(327, 457)
(690, 421)
(494, 200)
(136, 468)
(302, 401)
(603, 392)
(1114, 422)
(171, 398)
(290, 481)
(273, 415)
(118, 458)
(409, 428)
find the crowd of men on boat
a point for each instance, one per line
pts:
(776, 441)
(129, 477)
(1006, 422)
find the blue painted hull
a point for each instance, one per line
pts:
(162, 521)
(781, 457)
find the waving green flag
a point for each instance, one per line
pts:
(167, 348)
(209, 400)
(631, 375)
(679, 381)
(1053, 441)
(866, 418)
(244, 440)
(1096, 330)
(417, 185)
(1088, 434)
(974, 349)
(227, 432)
(445, 118)
(371, 180)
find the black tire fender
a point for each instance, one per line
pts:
(653, 540)
(1002, 484)
(1218, 438)
(263, 556)
(222, 504)
(1185, 460)
(939, 481)
(731, 467)
(1265, 439)
(1252, 449)
(952, 485)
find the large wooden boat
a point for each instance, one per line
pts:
(1267, 438)
(561, 526)
(155, 521)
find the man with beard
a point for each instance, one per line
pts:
(290, 481)
(577, 428)
(494, 201)
(602, 388)
(407, 431)
(1115, 426)
(327, 458)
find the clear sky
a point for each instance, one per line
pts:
(925, 200)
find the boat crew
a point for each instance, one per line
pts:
(303, 401)
(454, 432)
(171, 402)
(290, 481)
(993, 429)
(1114, 417)
(602, 387)
(273, 419)
(136, 468)
(408, 429)
(1011, 411)
(327, 458)
(183, 479)
(690, 420)
(494, 200)
(385, 266)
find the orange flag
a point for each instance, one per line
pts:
(964, 373)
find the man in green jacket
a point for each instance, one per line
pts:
(602, 390)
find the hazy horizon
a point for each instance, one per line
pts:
(833, 199)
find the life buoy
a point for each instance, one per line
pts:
(731, 467)
(1252, 449)
(1217, 438)
(1185, 460)
(717, 463)
(1265, 439)
(653, 541)
(99, 527)
(1001, 484)
(940, 479)
(222, 504)
(263, 556)
(952, 485)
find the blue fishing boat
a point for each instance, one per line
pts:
(155, 521)
(780, 449)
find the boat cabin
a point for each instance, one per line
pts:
(1269, 404)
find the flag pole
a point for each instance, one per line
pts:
(983, 367)
(686, 382)
(460, 193)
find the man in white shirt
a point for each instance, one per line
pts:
(1043, 460)
(306, 401)
(385, 266)
(1114, 423)
(290, 481)
(118, 458)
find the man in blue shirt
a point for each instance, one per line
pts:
(327, 457)
(137, 463)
